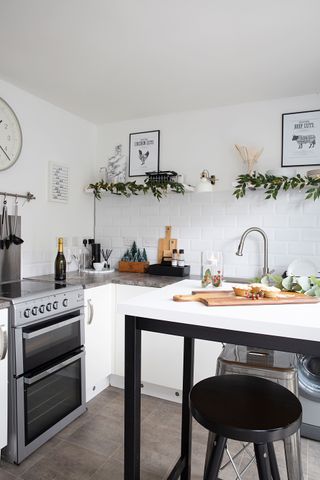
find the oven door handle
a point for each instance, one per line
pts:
(3, 342)
(51, 328)
(46, 373)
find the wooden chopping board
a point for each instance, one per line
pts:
(228, 298)
(166, 244)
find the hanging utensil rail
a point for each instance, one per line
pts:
(29, 196)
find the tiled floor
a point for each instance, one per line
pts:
(92, 446)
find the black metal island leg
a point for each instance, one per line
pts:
(132, 414)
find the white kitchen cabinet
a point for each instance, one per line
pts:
(3, 378)
(162, 355)
(99, 316)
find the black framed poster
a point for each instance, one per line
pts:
(301, 139)
(144, 152)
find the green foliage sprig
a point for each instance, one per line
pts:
(307, 285)
(158, 189)
(273, 184)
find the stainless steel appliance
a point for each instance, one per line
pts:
(46, 362)
(309, 391)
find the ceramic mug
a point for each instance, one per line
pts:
(98, 266)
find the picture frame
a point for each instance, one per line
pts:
(144, 152)
(300, 139)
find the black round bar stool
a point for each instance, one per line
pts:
(247, 409)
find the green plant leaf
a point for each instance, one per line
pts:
(304, 283)
(287, 283)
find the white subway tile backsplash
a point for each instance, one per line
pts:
(302, 248)
(306, 220)
(201, 221)
(179, 221)
(275, 220)
(200, 245)
(311, 235)
(190, 233)
(216, 221)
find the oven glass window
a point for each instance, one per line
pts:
(48, 341)
(51, 399)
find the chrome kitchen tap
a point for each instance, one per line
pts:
(265, 246)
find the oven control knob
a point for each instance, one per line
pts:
(27, 312)
(55, 305)
(34, 310)
(65, 302)
(42, 308)
(48, 307)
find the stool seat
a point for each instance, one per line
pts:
(245, 408)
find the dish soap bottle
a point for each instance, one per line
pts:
(60, 263)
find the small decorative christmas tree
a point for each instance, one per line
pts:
(134, 249)
(134, 254)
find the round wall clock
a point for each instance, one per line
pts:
(10, 136)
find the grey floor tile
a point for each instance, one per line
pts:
(69, 462)
(101, 435)
(66, 432)
(18, 470)
(91, 448)
(113, 470)
(4, 475)
(313, 460)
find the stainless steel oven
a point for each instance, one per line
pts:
(47, 369)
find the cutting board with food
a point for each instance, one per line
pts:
(254, 294)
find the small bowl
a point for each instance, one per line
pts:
(314, 173)
(98, 266)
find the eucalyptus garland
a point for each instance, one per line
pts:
(273, 184)
(158, 189)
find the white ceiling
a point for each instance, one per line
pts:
(109, 60)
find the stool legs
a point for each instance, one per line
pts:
(292, 448)
(263, 463)
(273, 462)
(215, 460)
(210, 444)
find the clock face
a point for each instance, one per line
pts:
(10, 136)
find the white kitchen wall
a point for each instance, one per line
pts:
(190, 142)
(49, 134)
(215, 221)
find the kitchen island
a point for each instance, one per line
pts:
(291, 328)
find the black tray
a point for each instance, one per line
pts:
(168, 270)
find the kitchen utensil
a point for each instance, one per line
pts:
(13, 237)
(301, 267)
(228, 298)
(1, 232)
(106, 254)
(5, 225)
(166, 243)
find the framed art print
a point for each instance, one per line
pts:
(301, 139)
(144, 152)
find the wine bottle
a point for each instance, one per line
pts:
(60, 263)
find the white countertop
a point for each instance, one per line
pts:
(295, 321)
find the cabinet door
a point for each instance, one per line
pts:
(123, 293)
(3, 378)
(162, 355)
(161, 362)
(99, 306)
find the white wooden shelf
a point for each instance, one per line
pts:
(187, 188)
